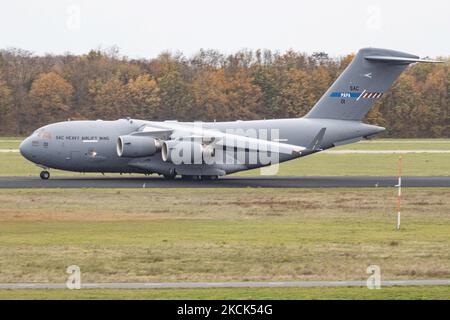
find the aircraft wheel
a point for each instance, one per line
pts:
(210, 177)
(45, 175)
(170, 176)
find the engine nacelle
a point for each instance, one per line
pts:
(184, 152)
(137, 146)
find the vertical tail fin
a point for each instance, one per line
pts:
(363, 82)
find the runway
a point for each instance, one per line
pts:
(224, 182)
(246, 284)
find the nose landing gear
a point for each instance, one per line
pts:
(45, 175)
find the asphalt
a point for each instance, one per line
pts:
(146, 285)
(224, 182)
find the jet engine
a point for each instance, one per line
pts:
(185, 152)
(137, 146)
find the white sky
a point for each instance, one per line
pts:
(143, 28)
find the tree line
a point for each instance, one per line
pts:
(250, 84)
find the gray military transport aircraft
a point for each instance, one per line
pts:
(207, 150)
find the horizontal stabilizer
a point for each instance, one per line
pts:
(399, 59)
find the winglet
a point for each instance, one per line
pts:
(316, 143)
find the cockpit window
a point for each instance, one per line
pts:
(44, 134)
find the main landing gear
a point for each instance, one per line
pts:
(45, 175)
(170, 175)
(199, 177)
(209, 177)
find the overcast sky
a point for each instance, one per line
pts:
(144, 28)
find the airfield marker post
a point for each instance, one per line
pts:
(399, 194)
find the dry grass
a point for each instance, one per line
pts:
(148, 204)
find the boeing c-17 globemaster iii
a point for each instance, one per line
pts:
(207, 150)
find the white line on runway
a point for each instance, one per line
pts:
(9, 150)
(149, 285)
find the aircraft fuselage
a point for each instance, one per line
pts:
(91, 146)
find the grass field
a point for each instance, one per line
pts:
(435, 293)
(398, 144)
(10, 142)
(419, 164)
(207, 235)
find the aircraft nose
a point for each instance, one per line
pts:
(25, 148)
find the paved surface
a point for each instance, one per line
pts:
(224, 182)
(130, 285)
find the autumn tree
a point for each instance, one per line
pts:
(401, 107)
(5, 103)
(177, 101)
(19, 69)
(295, 97)
(208, 85)
(436, 102)
(51, 97)
(210, 96)
(143, 93)
(265, 78)
(110, 99)
(243, 97)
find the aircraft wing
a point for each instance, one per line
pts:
(152, 131)
(253, 144)
(215, 138)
